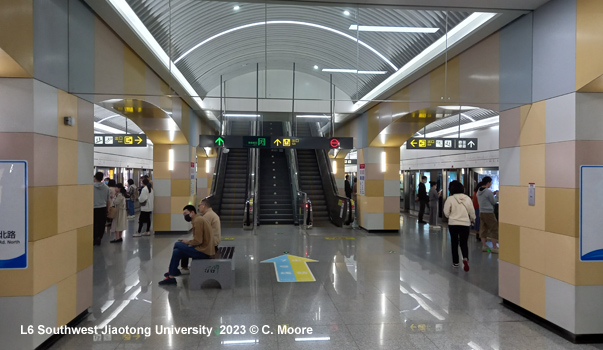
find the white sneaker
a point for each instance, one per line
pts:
(146, 234)
(136, 235)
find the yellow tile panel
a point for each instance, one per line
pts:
(562, 211)
(509, 243)
(23, 279)
(43, 214)
(177, 203)
(531, 249)
(67, 158)
(514, 208)
(589, 43)
(533, 125)
(134, 73)
(373, 188)
(532, 165)
(560, 257)
(181, 188)
(66, 300)
(84, 247)
(73, 212)
(373, 172)
(391, 221)
(67, 107)
(532, 291)
(54, 259)
(161, 170)
(16, 32)
(9, 68)
(162, 222)
(371, 204)
(588, 273)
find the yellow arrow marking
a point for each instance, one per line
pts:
(300, 269)
(277, 142)
(413, 143)
(139, 140)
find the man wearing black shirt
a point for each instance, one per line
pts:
(422, 198)
(348, 187)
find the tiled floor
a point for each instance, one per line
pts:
(394, 291)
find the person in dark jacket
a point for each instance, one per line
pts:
(422, 198)
(348, 187)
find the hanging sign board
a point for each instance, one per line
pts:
(442, 144)
(591, 220)
(276, 142)
(361, 179)
(120, 140)
(13, 214)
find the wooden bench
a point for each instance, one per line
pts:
(220, 269)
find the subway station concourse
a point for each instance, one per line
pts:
(336, 141)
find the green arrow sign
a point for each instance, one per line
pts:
(219, 141)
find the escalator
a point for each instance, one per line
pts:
(311, 183)
(234, 193)
(316, 179)
(276, 203)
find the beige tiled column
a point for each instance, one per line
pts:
(57, 285)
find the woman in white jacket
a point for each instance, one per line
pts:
(460, 213)
(146, 208)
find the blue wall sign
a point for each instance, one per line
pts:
(591, 218)
(13, 214)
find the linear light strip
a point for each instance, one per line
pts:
(307, 24)
(353, 71)
(393, 29)
(241, 115)
(314, 116)
(456, 34)
(128, 16)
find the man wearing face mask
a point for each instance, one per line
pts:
(200, 247)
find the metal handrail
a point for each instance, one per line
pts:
(293, 174)
(249, 212)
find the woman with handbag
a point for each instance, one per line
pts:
(120, 223)
(146, 208)
(460, 213)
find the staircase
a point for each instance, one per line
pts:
(235, 186)
(275, 185)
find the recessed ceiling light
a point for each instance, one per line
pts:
(346, 12)
(236, 7)
(241, 115)
(315, 67)
(393, 29)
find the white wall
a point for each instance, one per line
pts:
(124, 157)
(241, 93)
(485, 156)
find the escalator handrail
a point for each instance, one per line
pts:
(293, 174)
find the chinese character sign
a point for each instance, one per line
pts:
(13, 214)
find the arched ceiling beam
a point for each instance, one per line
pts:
(385, 59)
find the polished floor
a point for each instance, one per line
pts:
(396, 291)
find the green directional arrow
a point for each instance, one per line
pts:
(219, 141)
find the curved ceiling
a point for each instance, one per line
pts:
(306, 35)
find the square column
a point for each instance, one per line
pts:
(379, 206)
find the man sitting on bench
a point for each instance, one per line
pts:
(200, 247)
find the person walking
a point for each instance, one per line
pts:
(422, 198)
(131, 197)
(434, 197)
(146, 208)
(102, 203)
(489, 225)
(348, 187)
(460, 213)
(476, 207)
(119, 224)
